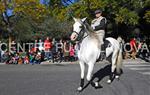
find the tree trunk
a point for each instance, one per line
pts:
(10, 40)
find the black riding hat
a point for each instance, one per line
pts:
(98, 11)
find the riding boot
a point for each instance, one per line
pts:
(103, 52)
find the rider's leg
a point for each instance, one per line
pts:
(101, 39)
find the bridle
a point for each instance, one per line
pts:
(82, 35)
(77, 32)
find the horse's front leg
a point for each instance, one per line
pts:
(89, 76)
(82, 67)
(90, 71)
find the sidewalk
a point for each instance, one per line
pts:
(2, 63)
(134, 61)
(126, 61)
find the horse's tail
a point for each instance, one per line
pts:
(119, 58)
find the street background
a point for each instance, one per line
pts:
(63, 79)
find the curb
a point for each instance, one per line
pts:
(127, 61)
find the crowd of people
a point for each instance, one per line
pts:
(46, 50)
(136, 48)
(52, 50)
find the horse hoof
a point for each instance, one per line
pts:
(96, 84)
(109, 81)
(117, 77)
(79, 89)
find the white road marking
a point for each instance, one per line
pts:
(136, 65)
(145, 73)
(141, 68)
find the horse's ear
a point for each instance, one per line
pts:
(74, 19)
(84, 19)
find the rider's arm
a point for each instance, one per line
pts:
(101, 26)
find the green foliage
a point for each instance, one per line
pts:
(31, 8)
(126, 16)
(120, 11)
(23, 30)
(32, 19)
(54, 28)
(2, 7)
(147, 3)
(147, 16)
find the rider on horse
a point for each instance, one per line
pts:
(99, 25)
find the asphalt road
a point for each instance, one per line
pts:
(63, 79)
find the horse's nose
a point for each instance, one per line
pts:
(73, 36)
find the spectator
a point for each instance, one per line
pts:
(71, 52)
(54, 53)
(66, 50)
(31, 57)
(35, 48)
(16, 58)
(3, 57)
(60, 50)
(40, 45)
(37, 58)
(145, 50)
(42, 55)
(133, 48)
(7, 57)
(26, 60)
(47, 47)
(20, 60)
(139, 54)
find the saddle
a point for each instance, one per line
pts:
(105, 45)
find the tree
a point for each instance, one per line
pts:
(55, 28)
(2, 8)
(122, 14)
(54, 18)
(122, 11)
(147, 16)
(29, 11)
(31, 8)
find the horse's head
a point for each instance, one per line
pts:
(78, 26)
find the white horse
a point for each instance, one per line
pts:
(89, 51)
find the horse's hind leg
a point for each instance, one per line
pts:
(113, 66)
(119, 70)
(82, 67)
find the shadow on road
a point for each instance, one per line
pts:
(145, 59)
(100, 74)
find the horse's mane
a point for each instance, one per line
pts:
(90, 31)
